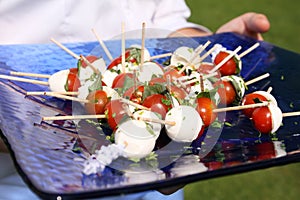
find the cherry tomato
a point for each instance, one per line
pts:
(118, 60)
(205, 68)
(90, 58)
(132, 60)
(226, 91)
(74, 70)
(135, 96)
(115, 112)
(98, 101)
(229, 67)
(173, 73)
(250, 99)
(177, 92)
(120, 79)
(72, 83)
(158, 80)
(157, 103)
(262, 119)
(205, 107)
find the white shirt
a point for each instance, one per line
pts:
(36, 21)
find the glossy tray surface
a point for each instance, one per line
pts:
(44, 155)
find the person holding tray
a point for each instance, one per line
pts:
(72, 21)
(28, 22)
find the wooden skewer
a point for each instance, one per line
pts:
(65, 48)
(142, 46)
(13, 78)
(30, 74)
(201, 81)
(144, 118)
(249, 50)
(108, 54)
(89, 64)
(207, 54)
(198, 50)
(159, 121)
(225, 59)
(73, 117)
(134, 104)
(206, 76)
(123, 46)
(178, 82)
(170, 90)
(291, 114)
(257, 79)
(180, 57)
(192, 76)
(48, 93)
(184, 78)
(269, 90)
(193, 80)
(196, 79)
(184, 67)
(61, 96)
(135, 80)
(241, 107)
(75, 55)
(160, 56)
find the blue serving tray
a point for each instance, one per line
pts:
(43, 154)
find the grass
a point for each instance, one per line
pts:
(272, 183)
(268, 184)
(283, 16)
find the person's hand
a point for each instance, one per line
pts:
(170, 190)
(249, 24)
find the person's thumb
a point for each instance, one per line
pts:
(256, 22)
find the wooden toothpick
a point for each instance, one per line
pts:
(108, 54)
(96, 71)
(257, 79)
(65, 49)
(30, 74)
(255, 105)
(249, 50)
(197, 51)
(73, 117)
(48, 93)
(159, 121)
(60, 96)
(291, 114)
(225, 59)
(134, 104)
(123, 46)
(143, 46)
(160, 56)
(13, 78)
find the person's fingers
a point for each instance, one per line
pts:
(170, 190)
(256, 22)
(255, 25)
(250, 24)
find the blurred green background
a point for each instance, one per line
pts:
(283, 15)
(274, 183)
